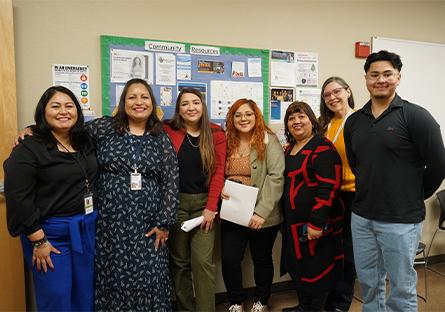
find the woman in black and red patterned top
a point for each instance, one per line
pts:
(312, 251)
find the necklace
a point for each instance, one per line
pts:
(243, 151)
(190, 141)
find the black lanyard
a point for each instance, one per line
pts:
(84, 170)
(137, 152)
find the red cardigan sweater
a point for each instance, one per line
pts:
(217, 179)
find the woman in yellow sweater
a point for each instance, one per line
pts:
(336, 105)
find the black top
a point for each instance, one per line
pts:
(191, 181)
(312, 179)
(398, 160)
(43, 182)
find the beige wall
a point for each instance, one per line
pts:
(60, 31)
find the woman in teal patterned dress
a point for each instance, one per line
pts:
(132, 272)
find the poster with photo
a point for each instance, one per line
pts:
(280, 99)
(128, 64)
(210, 67)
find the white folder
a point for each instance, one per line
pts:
(240, 206)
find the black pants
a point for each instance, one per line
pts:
(341, 296)
(312, 302)
(234, 239)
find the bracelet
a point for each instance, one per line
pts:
(39, 243)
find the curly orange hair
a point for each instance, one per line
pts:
(258, 132)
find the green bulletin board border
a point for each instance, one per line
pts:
(106, 41)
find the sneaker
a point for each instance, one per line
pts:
(258, 307)
(236, 308)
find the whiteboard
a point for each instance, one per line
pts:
(423, 73)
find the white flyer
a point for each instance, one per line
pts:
(254, 67)
(311, 96)
(282, 68)
(240, 206)
(165, 69)
(306, 69)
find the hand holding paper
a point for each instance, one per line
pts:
(241, 203)
(189, 225)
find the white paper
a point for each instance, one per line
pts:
(165, 69)
(311, 96)
(189, 225)
(282, 74)
(240, 206)
(282, 68)
(238, 70)
(184, 67)
(306, 69)
(225, 93)
(76, 78)
(254, 67)
(127, 64)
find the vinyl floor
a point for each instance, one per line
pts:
(435, 299)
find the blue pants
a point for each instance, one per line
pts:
(70, 287)
(382, 248)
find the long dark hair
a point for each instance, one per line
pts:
(326, 114)
(206, 146)
(78, 136)
(120, 120)
(300, 107)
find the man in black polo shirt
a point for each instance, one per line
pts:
(396, 152)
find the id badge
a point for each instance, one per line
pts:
(135, 181)
(88, 203)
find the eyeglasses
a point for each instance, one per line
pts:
(336, 92)
(387, 76)
(246, 115)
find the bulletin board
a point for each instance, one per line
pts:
(222, 74)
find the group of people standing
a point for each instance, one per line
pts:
(99, 206)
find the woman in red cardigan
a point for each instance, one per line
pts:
(201, 149)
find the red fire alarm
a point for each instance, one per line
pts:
(362, 49)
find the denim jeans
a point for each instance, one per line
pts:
(382, 248)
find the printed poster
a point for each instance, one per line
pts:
(165, 69)
(210, 67)
(306, 69)
(282, 68)
(77, 79)
(128, 64)
(183, 67)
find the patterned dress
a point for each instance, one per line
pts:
(130, 274)
(312, 179)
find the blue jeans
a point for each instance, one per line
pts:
(382, 248)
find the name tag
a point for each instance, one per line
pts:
(135, 181)
(88, 203)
